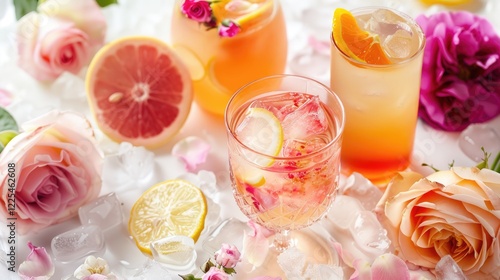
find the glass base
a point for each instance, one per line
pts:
(310, 246)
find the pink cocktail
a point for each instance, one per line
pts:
(284, 136)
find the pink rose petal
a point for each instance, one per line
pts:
(389, 267)
(192, 151)
(362, 270)
(256, 243)
(38, 264)
(5, 98)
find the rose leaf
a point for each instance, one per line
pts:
(104, 3)
(23, 7)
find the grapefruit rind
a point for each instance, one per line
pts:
(183, 106)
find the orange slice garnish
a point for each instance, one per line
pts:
(356, 42)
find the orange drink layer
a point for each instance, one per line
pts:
(221, 65)
(376, 64)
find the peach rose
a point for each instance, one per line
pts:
(454, 212)
(62, 36)
(53, 167)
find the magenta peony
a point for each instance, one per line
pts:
(461, 70)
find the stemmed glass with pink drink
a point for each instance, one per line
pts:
(284, 136)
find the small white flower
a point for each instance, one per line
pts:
(93, 265)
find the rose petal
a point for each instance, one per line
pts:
(192, 151)
(256, 244)
(37, 265)
(362, 270)
(388, 266)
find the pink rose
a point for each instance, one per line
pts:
(198, 10)
(454, 212)
(38, 264)
(228, 28)
(62, 36)
(53, 166)
(227, 256)
(215, 274)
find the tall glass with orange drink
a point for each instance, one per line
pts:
(227, 44)
(376, 64)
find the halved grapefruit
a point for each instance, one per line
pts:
(139, 91)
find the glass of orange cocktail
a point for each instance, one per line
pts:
(376, 64)
(228, 43)
(284, 140)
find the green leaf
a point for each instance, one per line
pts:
(189, 277)
(104, 3)
(229, 271)
(496, 163)
(5, 137)
(7, 121)
(23, 7)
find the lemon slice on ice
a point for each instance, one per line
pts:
(173, 207)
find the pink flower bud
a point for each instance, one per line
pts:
(228, 28)
(227, 256)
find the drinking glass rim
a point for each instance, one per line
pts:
(409, 19)
(334, 140)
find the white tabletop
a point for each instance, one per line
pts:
(151, 17)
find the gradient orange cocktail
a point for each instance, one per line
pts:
(376, 72)
(221, 65)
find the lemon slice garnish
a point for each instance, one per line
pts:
(169, 208)
(260, 131)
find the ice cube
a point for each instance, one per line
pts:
(154, 271)
(282, 104)
(448, 269)
(292, 261)
(400, 45)
(369, 233)
(382, 22)
(131, 167)
(475, 136)
(229, 231)
(306, 120)
(324, 271)
(294, 147)
(357, 186)
(241, 7)
(78, 243)
(176, 253)
(104, 212)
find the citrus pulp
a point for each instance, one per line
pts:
(356, 42)
(169, 208)
(139, 91)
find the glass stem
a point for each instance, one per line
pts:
(282, 240)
